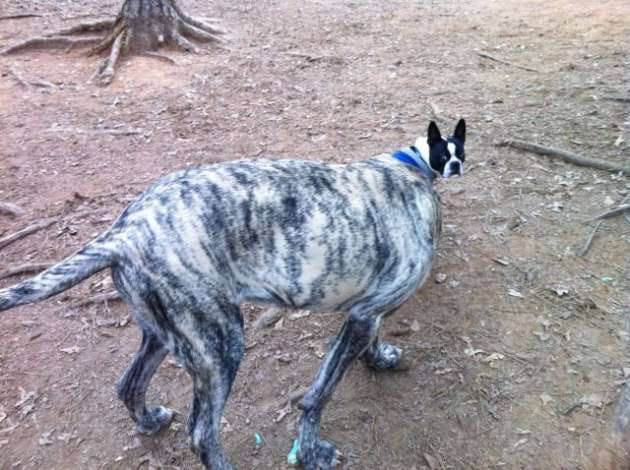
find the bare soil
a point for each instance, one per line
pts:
(518, 356)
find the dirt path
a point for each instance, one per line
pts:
(518, 355)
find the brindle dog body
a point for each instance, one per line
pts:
(356, 238)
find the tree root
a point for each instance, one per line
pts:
(47, 42)
(138, 28)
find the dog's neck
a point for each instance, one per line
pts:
(418, 158)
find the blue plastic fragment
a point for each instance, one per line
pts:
(259, 439)
(292, 458)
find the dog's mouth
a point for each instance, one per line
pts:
(448, 172)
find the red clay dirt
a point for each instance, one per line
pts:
(517, 356)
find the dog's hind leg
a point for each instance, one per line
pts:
(132, 386)
(214, 352)
(357, 334)
(381, 355)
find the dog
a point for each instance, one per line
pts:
(358, 238)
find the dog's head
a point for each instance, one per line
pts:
(445, 156)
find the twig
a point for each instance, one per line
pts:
(589, 241)
(612, 213)
(293, 397)
(620, 99)
(6, 241)
(564, 155)
(104, 297)
(600, 220)
(20, 16)
(505, 62)
(18, 77)
(25, 269)
(11, 209)
(75, 130)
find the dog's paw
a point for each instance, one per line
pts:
(384, 356)
(319, 455)
(155, 419)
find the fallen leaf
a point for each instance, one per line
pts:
(282, 413)
(542, 336)
(545, 398)
(495, 356)
(432, 462)
(299, 314)
(560, 290)
(520, 442)
(594, 400)
(472, 351)
(268, 318)
(72, 350)
(44, 440)
(515, 293)
(24, 397)
(440, 278)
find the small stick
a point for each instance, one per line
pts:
(6, 241)
(612, 213)
(11, 209)
(564, 155)
(600, 220)
(95, 131)
(19, 78)
(505, 62)
(620, 99)
(25, 269)
(589, 241)
(49, 41)
(18, 17)
(104, 297)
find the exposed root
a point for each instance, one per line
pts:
(197, 22)
(184, 44)
(49, 42)
(107, 41)
(105, 73)
(158, 56)
(199, 34)
(89, 27)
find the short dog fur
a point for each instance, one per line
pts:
(357, 238)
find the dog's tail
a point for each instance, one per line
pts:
(91, 259)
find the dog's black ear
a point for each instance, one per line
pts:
(460, 131)
(433, 134)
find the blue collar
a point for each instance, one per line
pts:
(411, 156)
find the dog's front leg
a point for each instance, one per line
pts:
(356, 335)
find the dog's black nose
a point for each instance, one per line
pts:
(456, 168)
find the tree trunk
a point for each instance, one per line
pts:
(145, 25)
(141, 26)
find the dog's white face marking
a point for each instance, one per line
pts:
(454, 164)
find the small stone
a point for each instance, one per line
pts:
(440, 278)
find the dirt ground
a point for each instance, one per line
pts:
(518, 355)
